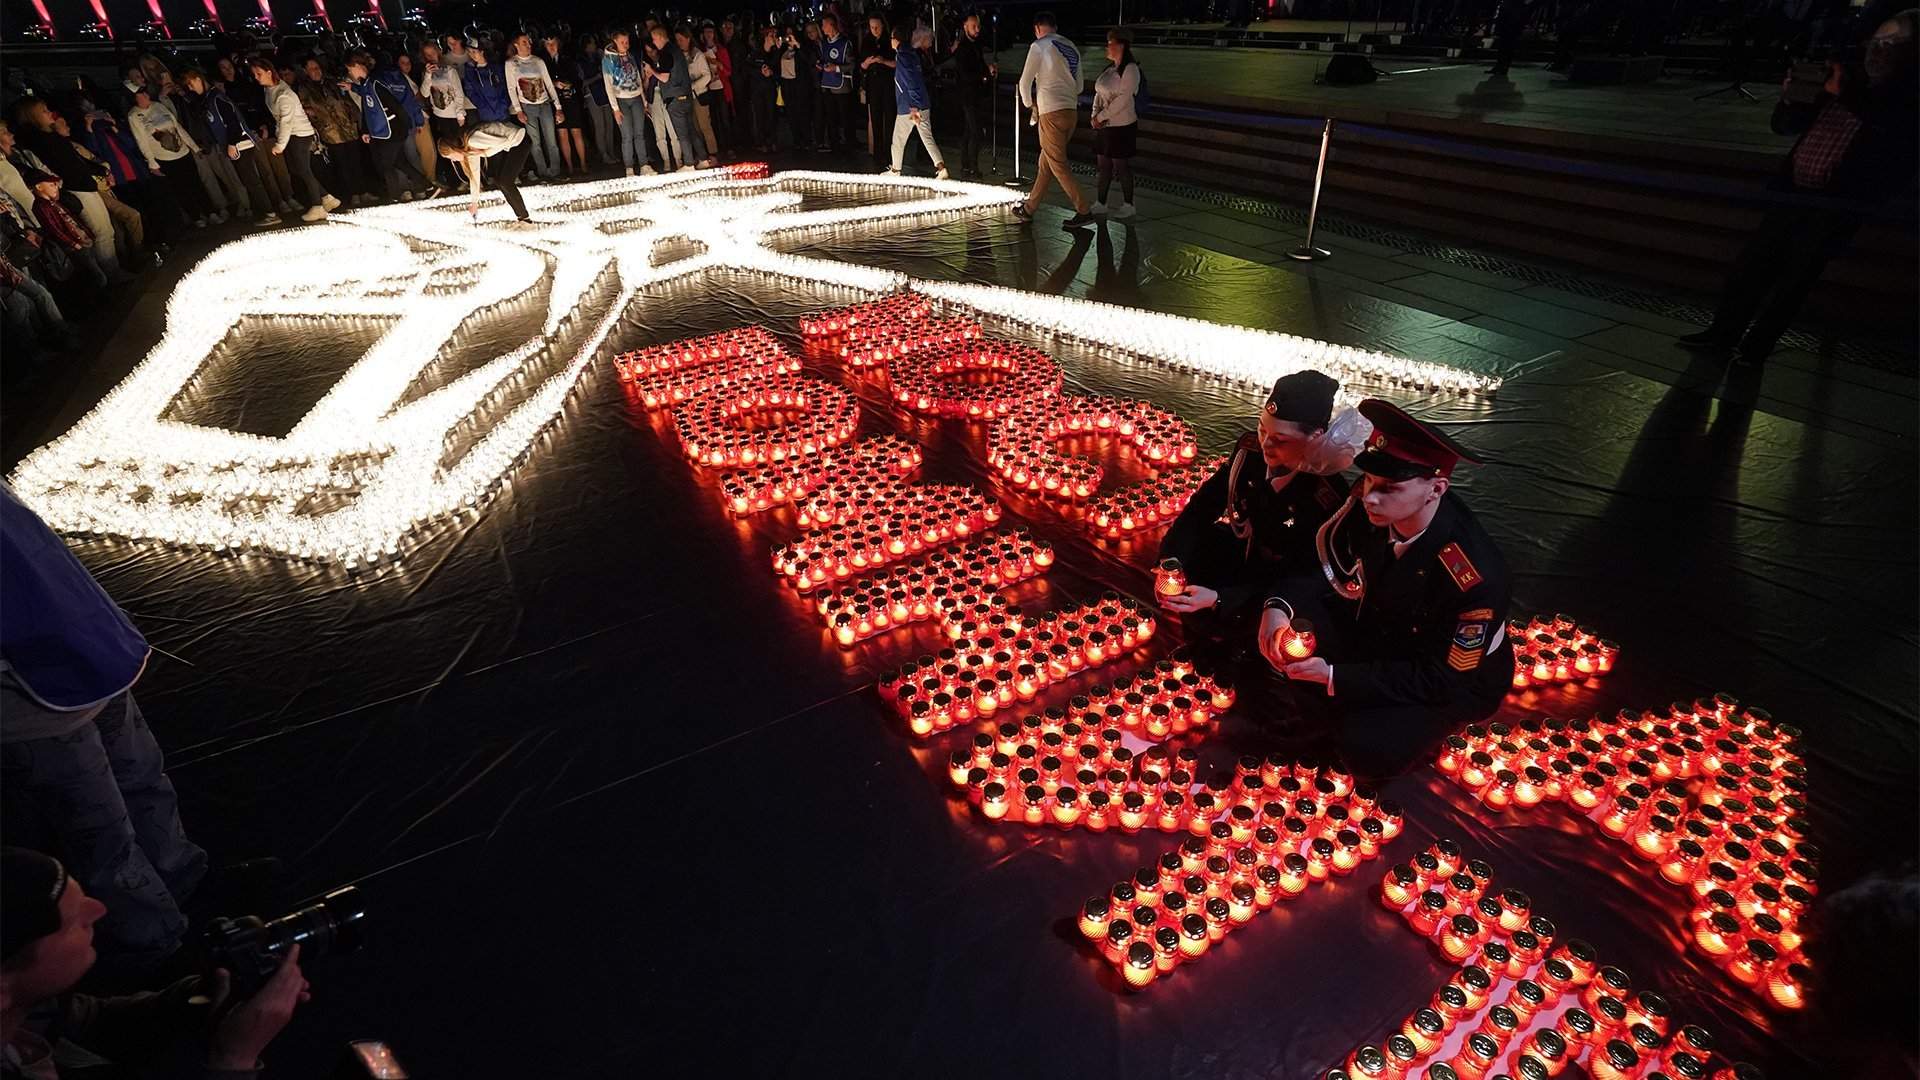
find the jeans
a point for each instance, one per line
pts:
(904, 125)
(31, 312)
(246, 168)
(673, 132)
(299, 159)
(633, 131)
(505, 169)
(99, 800)
(221, 181)
(545, 140)
(605, 137)
(975, 110)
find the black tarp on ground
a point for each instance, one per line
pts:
(620, 805)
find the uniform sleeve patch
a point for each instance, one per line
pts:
(1468, 644)
(1459, 567)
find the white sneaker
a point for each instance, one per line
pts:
(315, 213)
(266, 220)
(629, 170)
(1123, 211)
(684, 168)
(893, 172)
(648, 170)
(329, 202)
(941, 173)
(1098, 209)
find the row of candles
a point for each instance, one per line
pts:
(1711, 795)
(664, 376)
(918, 517)
(760, 489)
(997, 656)
(1148, 504)
(1548, 1001)
(714, 430)
(1238, 863)
(1071, 766)
(941, 584)
(1020, 448)
(1549, 650)
(894, 313)
(946, 380)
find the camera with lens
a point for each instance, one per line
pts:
(252, 948)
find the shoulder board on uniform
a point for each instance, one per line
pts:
(1459, 567)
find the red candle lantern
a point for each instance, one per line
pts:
(1717, 936)
(1526, 999)
(1614, 1061)
(1476, 1057)
(1459, 937)
(1119, 937)
(1194, 939)
(1425, 1029)
(1170, 579)
(1549, 1046)
(1296, 641)
(1397, 888)
(1428, 912)
(1140, 967)
(1787, 985)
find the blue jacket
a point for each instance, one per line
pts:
(402, 90)
(66, 641)
(375, 118)
(486, 89)
(909, 83)
(837, 51)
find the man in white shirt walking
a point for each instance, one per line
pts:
(1050, 89)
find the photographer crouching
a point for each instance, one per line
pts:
(211, 1030)
(1856, 118)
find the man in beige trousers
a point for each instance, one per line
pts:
(1050, 89)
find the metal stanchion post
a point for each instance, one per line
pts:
(1016, 179)
(1307, 252)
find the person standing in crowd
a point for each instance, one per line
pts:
(503, 141)
(59, 227)
(221, 191)
(384, 130)
(250, 98)
(217, 129)
(336, 121)
(447, 108)
(737, 40)
(627, 88)
(763, 88)
(166, 146)
(33, 323)
(670, 104)
(976, 71)
(103, 143)
(396, 74)
(606, 132)
(1410, 609)
(531, 92)
(796, 86)
(836, 88)
(484, 80)
(453, 51)
(718, 100)
(293, 139)
(1856, 150)
(231, 144)
(1253, 522)
(568, 108)
(1114, 123)
(914, 99)
(82, 774)
(700, 80)
(876, 72)
(1050, 89)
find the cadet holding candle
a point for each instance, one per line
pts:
(1253, 522)
(1412, 632)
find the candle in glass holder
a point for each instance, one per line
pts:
(1474, 981)
(1296, 641)
(1547, 1045)
(1787, 985)
(1170, 579)
(1367, 1063)
(1617, 1060)
(1718, 935)
(1119, 936)
(1476, 1057)
(1752, 964)
(1095, 915)
(1194, 939)
(1426, 1029)
(1526, 999)
(1295, 875)
(1140, 967)
(1397, 887)
(1458, 937)
(1608, 981)
(1427, 912)
(1500, 1025)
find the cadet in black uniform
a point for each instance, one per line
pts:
(1409, 606)
(1253, 521)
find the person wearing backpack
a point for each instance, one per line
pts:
(1117, 96)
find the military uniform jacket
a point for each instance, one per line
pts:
(1428, 619)
(1269, 533)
